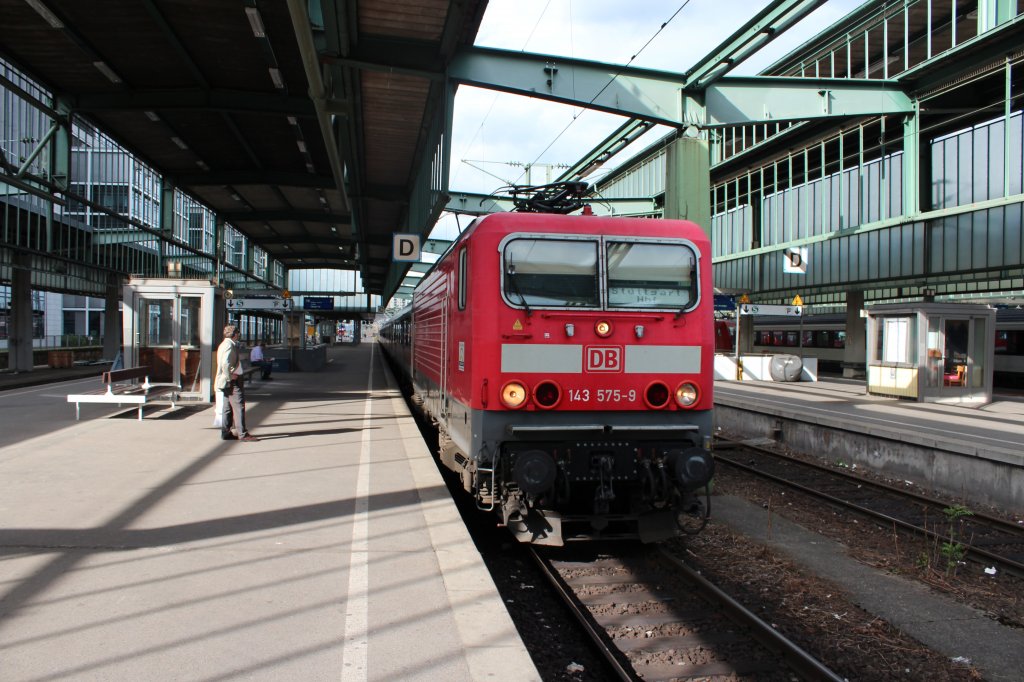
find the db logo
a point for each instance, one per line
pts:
(604, 358)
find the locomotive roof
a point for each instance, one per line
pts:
(583, 224)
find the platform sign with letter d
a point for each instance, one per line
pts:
(405, 247)
(794, 261)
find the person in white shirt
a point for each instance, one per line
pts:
(229, 382)
(256, 359)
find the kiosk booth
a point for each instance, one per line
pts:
(931, 352)
(173, 326)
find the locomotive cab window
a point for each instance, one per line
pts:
(550, 273)
(651, 275)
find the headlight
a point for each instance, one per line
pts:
(514, 395)
(603, 328)
(686, 395)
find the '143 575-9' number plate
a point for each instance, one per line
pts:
(601, 395)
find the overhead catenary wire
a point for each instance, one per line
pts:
(494, 99)
(610, 81)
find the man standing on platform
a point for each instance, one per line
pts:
(229, 381)
(257, 360)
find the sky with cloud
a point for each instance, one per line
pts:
(494, 130)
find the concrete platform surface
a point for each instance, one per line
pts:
(996, 428)
(153, 550)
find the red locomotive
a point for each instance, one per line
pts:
(567, 362)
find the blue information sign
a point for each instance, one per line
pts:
(318, 303)
(724, 303)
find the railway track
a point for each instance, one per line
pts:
(985, 538)
(654, 618)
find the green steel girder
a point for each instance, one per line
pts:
(436, 246)
(404, 291)
(641, 93)
(319, 92)
(662, 97)
(767, 25)
(420, 268)
(738, 101)
(623, 136)
(469, 203)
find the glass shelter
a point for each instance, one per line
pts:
(173, 327)
(931, 352)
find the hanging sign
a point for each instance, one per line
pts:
(794, 261)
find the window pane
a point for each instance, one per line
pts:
(977, 369)
(651, 275)
(188, 322)
(550, 272)
(155, 322)
(896, 343)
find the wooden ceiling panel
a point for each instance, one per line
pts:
(423, 19)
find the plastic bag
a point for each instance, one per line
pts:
(220, 409)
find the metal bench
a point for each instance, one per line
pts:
(121, 386)
(248, 373)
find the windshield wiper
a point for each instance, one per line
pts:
(515, 287)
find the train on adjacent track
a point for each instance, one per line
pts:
(567, 362)
(824, 337)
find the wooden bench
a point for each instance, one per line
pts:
(122, 386)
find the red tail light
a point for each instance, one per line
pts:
(547, 394)
(657, 395)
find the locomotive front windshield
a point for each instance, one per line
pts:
(651, 275)
(559, 273)
(551, 273)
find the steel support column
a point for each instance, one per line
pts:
(19, 335)
(218, 245)
(112, 326)
(911, 163)
(855, 350)
(688, 181)
(166, 225)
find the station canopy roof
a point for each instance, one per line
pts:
(300, 123)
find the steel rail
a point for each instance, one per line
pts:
(808, 667)
(597, 634)
(995, 520)
(977, 551)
